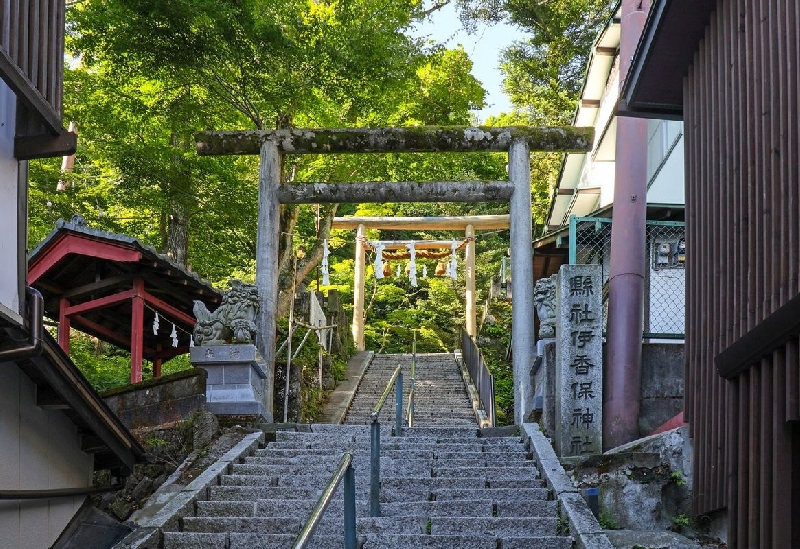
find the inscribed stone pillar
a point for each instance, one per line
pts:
(267, 262)
(579, 356)
(522, 336)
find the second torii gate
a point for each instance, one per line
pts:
(468, 224)
(517, 141)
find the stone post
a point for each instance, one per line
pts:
(469, 260)
(269, 226)
(579, 361)
(519, 173)
(358, 290)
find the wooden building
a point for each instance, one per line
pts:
(55, 431)
(729, 69)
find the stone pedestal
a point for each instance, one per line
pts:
(579, 356)
(236, 381)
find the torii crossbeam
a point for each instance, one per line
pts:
(517, 141)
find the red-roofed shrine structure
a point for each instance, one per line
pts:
(111, 286)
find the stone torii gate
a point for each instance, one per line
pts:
(517, 141)
(468, 224)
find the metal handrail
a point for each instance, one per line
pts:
(343, 471)
(375, 439)
(411, 393)
(410, 413)
(481, 377)
(382, 399)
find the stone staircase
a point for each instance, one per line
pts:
(442, 487)
(440, 397)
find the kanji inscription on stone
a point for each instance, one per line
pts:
(579, 361)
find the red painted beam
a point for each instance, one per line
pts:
(94, 327)
(164, 307)
(137, 330)
(76, 244)
(100, 303)
(63, 326)
(121, 340)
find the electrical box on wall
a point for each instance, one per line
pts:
(669, 254)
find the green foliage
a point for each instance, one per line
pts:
(562, 526)
(107, 367)
(680, 521)
(103, 365)
(495, 340)
(678, 478)
(607, 521)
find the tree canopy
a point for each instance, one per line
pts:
(145, 75)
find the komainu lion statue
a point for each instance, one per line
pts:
(234, 321)
(544, 298)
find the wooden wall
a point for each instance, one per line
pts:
(743, 262)
(32, 38)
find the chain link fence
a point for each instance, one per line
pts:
(590, 243)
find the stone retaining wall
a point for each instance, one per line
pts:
(159, 401)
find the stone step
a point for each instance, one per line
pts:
(237, 540)
(437, 484)
(523, 507)
(443, 485)
(493, 473)
(388, 541)
(220, 525)
(534, 495)
(274, 508)
(394, 461)
(495, 526)
(248, 492)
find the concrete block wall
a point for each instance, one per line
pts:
(662, 385)
(159, 401)
(39, 449)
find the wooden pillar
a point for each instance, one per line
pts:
(522, 342)
(157, 362)
(469, 259)
(269, 226)
(137, 330)
(358, 290)
(63, 326)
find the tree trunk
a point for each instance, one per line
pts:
(178, 234)
(306, 265)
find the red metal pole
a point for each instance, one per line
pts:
(622, 379)
(63, 326)
(137, 330)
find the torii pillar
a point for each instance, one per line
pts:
(518, 141)
(358, 290)
(470, 323)
(522, 342)
(269, 230)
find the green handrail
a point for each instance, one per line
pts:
(410, 413)
(343, 471)
(377, 409)
(375, 439)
